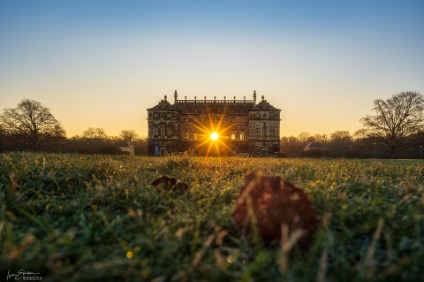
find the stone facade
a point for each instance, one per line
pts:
(244, 127)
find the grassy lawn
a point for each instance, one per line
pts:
(79, 218)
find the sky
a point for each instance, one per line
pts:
(102, 63)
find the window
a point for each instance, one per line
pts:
(155, 131)
(258, 132)
(233, 136)
(258, 115)
(170, 131)
(195, 136)
(186, 134)
(264, 115)
(242, 135)
(162, 130)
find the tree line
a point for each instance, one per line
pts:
(395, 129)
(32, 127)
(342, 144)
(94, 140)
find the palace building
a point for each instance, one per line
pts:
(214, 127)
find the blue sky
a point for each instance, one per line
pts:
(103, 63)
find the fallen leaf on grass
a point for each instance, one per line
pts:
(170, 183)
(265, 204)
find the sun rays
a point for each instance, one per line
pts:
(213, 134)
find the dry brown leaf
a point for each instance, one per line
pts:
(170, 183)
(265, 203)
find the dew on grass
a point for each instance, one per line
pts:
(130, 254)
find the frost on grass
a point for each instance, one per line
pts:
(265, 206)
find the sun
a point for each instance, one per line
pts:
(214, 136)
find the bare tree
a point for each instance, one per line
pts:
(340, 143)
(34, 122)
(305, 137)
(396, 121)
(340, 136)
(95, 133)
(128, 135)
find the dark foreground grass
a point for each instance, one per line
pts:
(81, 218)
